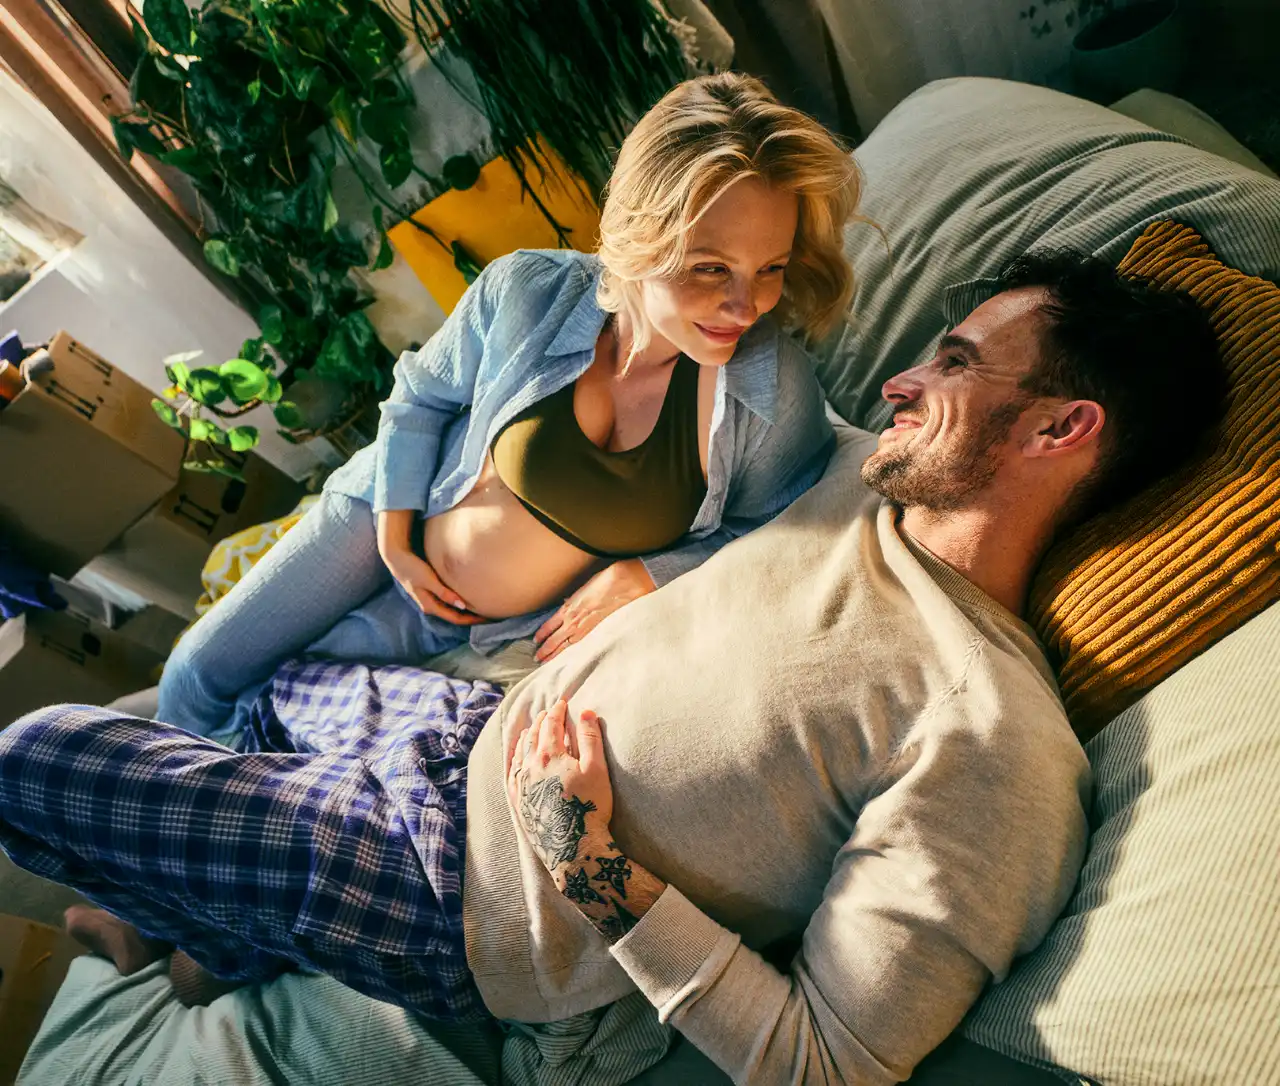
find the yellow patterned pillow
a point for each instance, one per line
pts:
(1140, 590)
(233, 557)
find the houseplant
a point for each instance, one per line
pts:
(1130, 46)
(256, 101)
(227, 391)
(1044, 16)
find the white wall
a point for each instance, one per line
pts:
(125, 291)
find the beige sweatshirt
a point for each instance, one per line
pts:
(822, 730)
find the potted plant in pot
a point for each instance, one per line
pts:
(255, 104)
(1130, 46)
(227, 391)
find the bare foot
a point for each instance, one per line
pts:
(194, 985)
(111, 938)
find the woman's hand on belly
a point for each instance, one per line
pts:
(426, 589)
(612, 588)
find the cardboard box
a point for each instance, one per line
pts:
(84, 456)
(47, 657)
(34, 959)
(161, 557)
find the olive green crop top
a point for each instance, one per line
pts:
(610, 504)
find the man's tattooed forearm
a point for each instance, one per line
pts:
(556, 823)
(600, 895)
(615, 871)
(616, 926)
(578, 889)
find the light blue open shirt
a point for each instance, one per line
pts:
(527, 328)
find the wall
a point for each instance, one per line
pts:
(127, 293)
(124, 290)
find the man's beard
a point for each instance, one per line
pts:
(949, 480)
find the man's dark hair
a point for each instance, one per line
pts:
(1147, 355)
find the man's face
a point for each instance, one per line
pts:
(955, 417)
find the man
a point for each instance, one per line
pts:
(836, 729)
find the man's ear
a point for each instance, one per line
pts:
(1067, 427)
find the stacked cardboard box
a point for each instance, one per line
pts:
(90, 470)
(84, 456)
(48, 657)
(34, 959)
(162, 555)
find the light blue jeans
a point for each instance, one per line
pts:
(323, 590)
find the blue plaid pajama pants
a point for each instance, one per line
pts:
(333, 842)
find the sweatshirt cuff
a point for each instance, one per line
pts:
(671, 950)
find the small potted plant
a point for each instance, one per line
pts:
(1130, 46)
(227, 391)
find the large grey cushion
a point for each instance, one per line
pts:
(1165, 967)
(968, 173)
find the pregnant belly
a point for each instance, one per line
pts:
(500, 558)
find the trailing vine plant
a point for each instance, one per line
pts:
(256, 101)
(577, 73)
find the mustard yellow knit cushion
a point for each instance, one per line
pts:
(1140, 590)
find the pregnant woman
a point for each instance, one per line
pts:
(582, 429)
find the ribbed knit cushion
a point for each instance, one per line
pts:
(1164, 969)
(1140, 590)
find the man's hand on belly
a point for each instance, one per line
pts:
(560, 790)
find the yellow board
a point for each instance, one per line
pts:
(490, 219)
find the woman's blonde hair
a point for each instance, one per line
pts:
(703, 136)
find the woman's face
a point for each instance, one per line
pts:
(732, 276)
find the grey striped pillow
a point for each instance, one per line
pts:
(1165, 967)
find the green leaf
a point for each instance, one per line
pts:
(218, 436)
(167, 413)
(271, 321)
(461, 172)
(255, 90)
(205, 386)
(397, 164)
(178, 373)
(465, 262)
(304, 82)
(344, 117)
(242, 438)
(201, 429)
(190, 160)
(361, 332)
(140, 36)
(320, 90)
(386, 90)
(384, 122)
(330, 212)
(135, 135)
(243, 380)
(201, 466)
(219, 254)
(150, 86)
(170, 69)
(273, 391)
(386, 255)
(253, 350)
(170, 24)
(288, 415)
